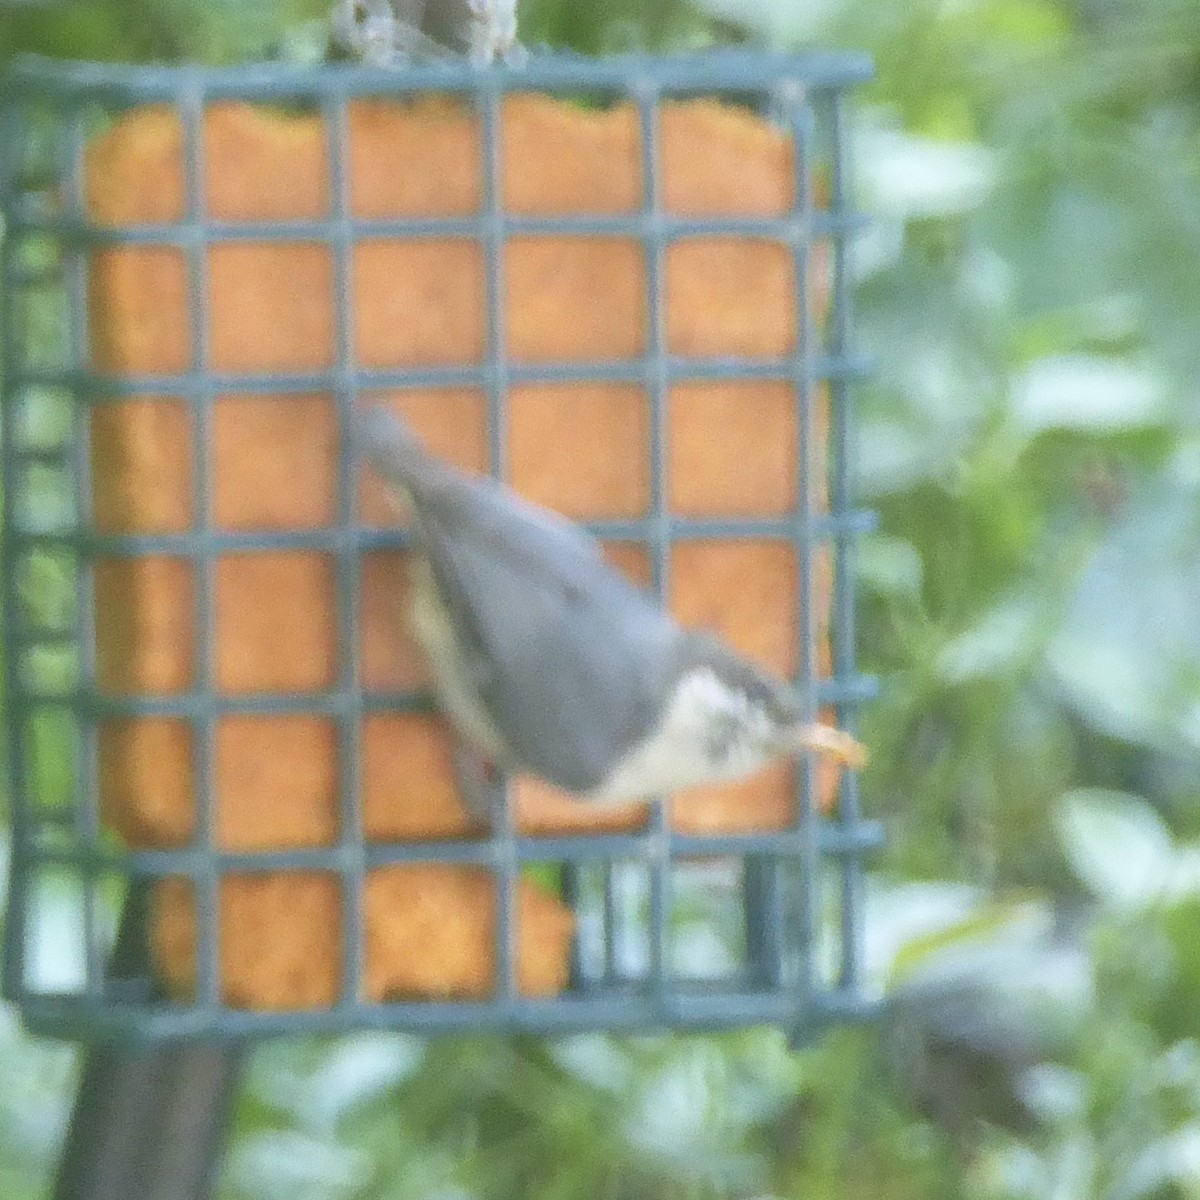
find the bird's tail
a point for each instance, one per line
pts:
(391, 447)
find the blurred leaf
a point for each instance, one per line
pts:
(1168, 1166)
(902, 175)
(1000, 639)
(1088, 393)
(1128, 652)
(889, 565)
(1117, 844)
(289, 1165)
(977, 1007)
(35, 1078)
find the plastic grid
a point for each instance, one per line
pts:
(783, 896)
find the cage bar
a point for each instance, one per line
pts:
(648, 99)
(352, 856)
(12, 135)
(86, 798)
(725, 69)
(799, 116)
(494, 232)
(205, 878)
(849, 807)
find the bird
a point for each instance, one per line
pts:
(548, 661)
(389, 33)
(482, 30)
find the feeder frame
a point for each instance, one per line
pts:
(118, 1002)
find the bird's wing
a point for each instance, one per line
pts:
(569, 657)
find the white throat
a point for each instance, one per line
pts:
(708, 734)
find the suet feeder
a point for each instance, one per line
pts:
(620, 285)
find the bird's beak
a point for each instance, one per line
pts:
(825, 739)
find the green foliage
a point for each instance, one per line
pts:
(212, 31)
(1030, 290)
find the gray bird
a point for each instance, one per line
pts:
(548, 661)
(388, 33)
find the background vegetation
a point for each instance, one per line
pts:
(1032, 441)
